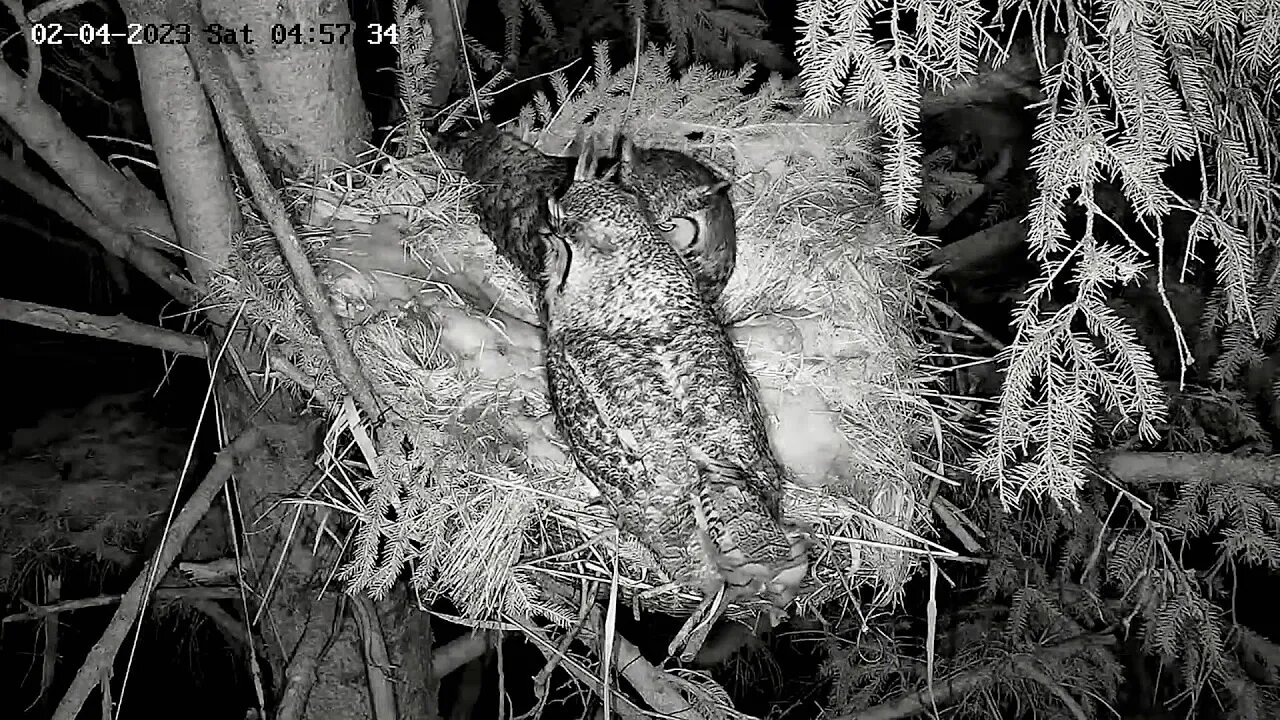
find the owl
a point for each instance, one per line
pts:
(688, 203)
(655, 403)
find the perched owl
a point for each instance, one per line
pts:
(655, 403)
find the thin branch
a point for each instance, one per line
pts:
(31, 85)
(160, 269)
(654, 685)
(122, 201)
(212, 69)
(44, 10)
(117, 328)
(104, 652)
(376, 660)
(49, 667)
(624, 707)
(1055, 688)
(301, 674)
(195, 592)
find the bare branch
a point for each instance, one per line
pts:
(150, 262)
(32, 81)
(44, 10)
(376, 660)
(104, 652)
(118, 328)
(195, 592)
(123, 202)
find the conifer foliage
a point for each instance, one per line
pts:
(1129, 88)
(1103, 583)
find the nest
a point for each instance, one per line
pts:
(472, 490)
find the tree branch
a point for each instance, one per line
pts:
(131, 604)
(117, 328)
(195, 592)
(124, 202)
(32, 82)
(160, 269)
(1139, 468)
(377, 662)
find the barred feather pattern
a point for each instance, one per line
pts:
(654, 400)
(686, 199)
(692, 206)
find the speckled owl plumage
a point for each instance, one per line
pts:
(693, 203)
(656, 405)
(515, 179)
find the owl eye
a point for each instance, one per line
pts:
(682, 232)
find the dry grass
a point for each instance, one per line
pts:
(480, 500)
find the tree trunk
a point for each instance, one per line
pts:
(305, 104)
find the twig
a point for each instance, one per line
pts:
(624, 707)
(160, 269)
(466, 59)
(51, 650)
(121, 201)
(212, 68)
(118, 328)
(103, 653)
(232, 629)
(967, 323)
(1030, 670)
(654, 685)
(44, 10)
(36, 612)
(300, 676)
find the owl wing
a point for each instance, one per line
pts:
(603, 451)
(746, 543)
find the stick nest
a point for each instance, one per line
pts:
(468, 485)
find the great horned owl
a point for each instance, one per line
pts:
(691, 206)
(688, 202)
(655, 403)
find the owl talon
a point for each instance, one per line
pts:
(693, 634)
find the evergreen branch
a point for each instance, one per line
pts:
(954, 689)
